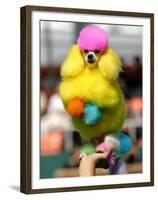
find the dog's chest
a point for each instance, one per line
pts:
(87, 82)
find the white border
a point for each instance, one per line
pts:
(95, 180)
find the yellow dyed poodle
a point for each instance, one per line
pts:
(90, 91)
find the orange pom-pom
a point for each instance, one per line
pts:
(76, 107)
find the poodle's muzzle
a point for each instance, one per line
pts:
(91, 58)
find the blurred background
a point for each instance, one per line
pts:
(60, 143)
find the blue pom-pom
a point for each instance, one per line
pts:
(125, 144)
(91, 114)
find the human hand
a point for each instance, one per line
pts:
(106, 147)
(88, 163)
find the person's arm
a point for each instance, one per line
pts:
(88, 163)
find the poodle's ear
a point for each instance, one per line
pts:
(110, 65)
(73, 64)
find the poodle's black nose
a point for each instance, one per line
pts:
(90, 56)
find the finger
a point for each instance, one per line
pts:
(98, 156)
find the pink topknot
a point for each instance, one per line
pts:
(93, 38)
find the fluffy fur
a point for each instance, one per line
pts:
(91, 114)
(97, 86)
(86, 39)
(76, 107)
(73, 64)
(121, 143)
(91, 94)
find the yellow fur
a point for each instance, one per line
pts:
(90, 86)
(73, 64)
(110, 65)
(98, 86)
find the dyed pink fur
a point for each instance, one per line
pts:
(104, 147)
(92, 38)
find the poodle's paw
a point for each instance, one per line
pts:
(104, 147)
(91, 114)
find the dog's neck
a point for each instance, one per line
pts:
(91, 65)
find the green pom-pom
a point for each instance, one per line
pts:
(87, 149)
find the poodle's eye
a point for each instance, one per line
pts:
(97, 51)
(85, 51)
